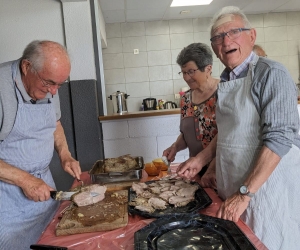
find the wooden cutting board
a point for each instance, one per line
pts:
(108, 214)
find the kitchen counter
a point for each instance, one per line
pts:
(123, 238)
(139, 114)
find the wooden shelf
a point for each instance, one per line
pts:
(140, 114)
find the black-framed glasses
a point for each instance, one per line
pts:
(190, 72)
(232, 34)
(48, 83)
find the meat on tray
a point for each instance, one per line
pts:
(160, 194)
(120, 164)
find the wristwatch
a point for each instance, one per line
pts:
(244, 191)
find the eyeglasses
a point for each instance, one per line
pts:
(190, 72)
(48, 83)
(232, 34)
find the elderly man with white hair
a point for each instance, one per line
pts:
(257, 146)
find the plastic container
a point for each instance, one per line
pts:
(151, 169)
(159, 163)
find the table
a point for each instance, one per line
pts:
(123, 238)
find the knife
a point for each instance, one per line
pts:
(47, 247)
(66, 196)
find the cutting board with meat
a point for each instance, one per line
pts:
(108, 214)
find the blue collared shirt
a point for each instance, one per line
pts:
(236, 72)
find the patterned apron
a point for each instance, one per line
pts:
(29, 147)
(273, 213)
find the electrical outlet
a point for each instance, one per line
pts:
(177, 96)
(136, 51)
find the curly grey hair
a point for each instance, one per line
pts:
(233, 10)
(35, 54)
(200, 53)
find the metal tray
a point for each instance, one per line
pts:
(202, 200)
(196, 231)
(98, 176)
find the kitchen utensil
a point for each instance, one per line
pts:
(47, 247)
(60, 195)
(149, 104)
(202, 200)
(166, 162)
(170, 105)
(119, 102)
(198, 231)
(98, 174)
(158, 162)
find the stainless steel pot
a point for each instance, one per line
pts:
(119, 102)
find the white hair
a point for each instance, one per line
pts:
(233, 10)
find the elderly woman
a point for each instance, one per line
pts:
(198, 121)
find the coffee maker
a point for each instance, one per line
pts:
(149, 104)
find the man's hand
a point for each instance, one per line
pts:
(189, 168)
(233, 207)
(36, 189)
(71, 166)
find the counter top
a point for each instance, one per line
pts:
(140, 114)
(123, 238)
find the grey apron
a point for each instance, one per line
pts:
(273, 213)
(29, 147)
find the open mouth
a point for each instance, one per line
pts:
(230, 51)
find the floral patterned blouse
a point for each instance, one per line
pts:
(198, 122)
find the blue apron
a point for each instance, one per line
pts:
(29, 147)
(273, 213)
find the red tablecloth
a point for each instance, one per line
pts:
(123, 238)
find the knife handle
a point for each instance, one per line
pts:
(47, 247)
(53, 194)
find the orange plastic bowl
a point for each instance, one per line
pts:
(159, 163)
(151, 169)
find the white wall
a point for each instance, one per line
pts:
(24, 21)
(79, 39)
(147, 137)
(154, 72)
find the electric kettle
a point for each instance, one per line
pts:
(170, 105)
(119, 102)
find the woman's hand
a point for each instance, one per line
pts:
(170, 153)
(189, 168)
(233, 207)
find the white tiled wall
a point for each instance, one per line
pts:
(153, 72)
(147, 137)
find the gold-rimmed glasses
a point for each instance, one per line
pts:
(48, 83)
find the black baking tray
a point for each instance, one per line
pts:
(202, 200)
(98, 175)
(195, 231)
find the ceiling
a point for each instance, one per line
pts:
(115, 11)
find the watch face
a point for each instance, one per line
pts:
(243, 190)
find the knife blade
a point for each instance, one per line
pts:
(66, 196)
(60, 195)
